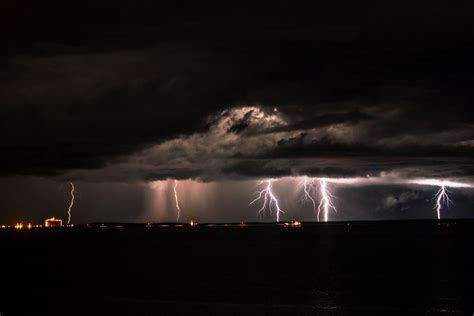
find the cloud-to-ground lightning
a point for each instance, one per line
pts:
(176, 199)
(442, 195)
(71, 204)
(442, 198)
(269, 199)
(308, 187)
(326, 203)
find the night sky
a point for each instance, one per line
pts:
(122, 97)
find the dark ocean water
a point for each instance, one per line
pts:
(395, 268)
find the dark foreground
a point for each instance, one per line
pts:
(336, 269)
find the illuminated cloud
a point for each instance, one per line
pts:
(391, 201)
(260, 142)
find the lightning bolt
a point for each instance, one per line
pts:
(176, 199)
(71, 204)
(442, 198)
(269, 199)
(326, 203)
(308, 186)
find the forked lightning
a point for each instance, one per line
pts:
(442, 198)
(326, 203)
(270, 201)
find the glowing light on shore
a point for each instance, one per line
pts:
(53, 222)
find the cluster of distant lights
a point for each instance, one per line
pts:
(192, 223)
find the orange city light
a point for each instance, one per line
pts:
(53, 222)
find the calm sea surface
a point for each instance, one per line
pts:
(377, 268)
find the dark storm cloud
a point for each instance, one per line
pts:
(255, 169)
(135, 89)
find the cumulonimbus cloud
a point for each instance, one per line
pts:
(258, 142)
